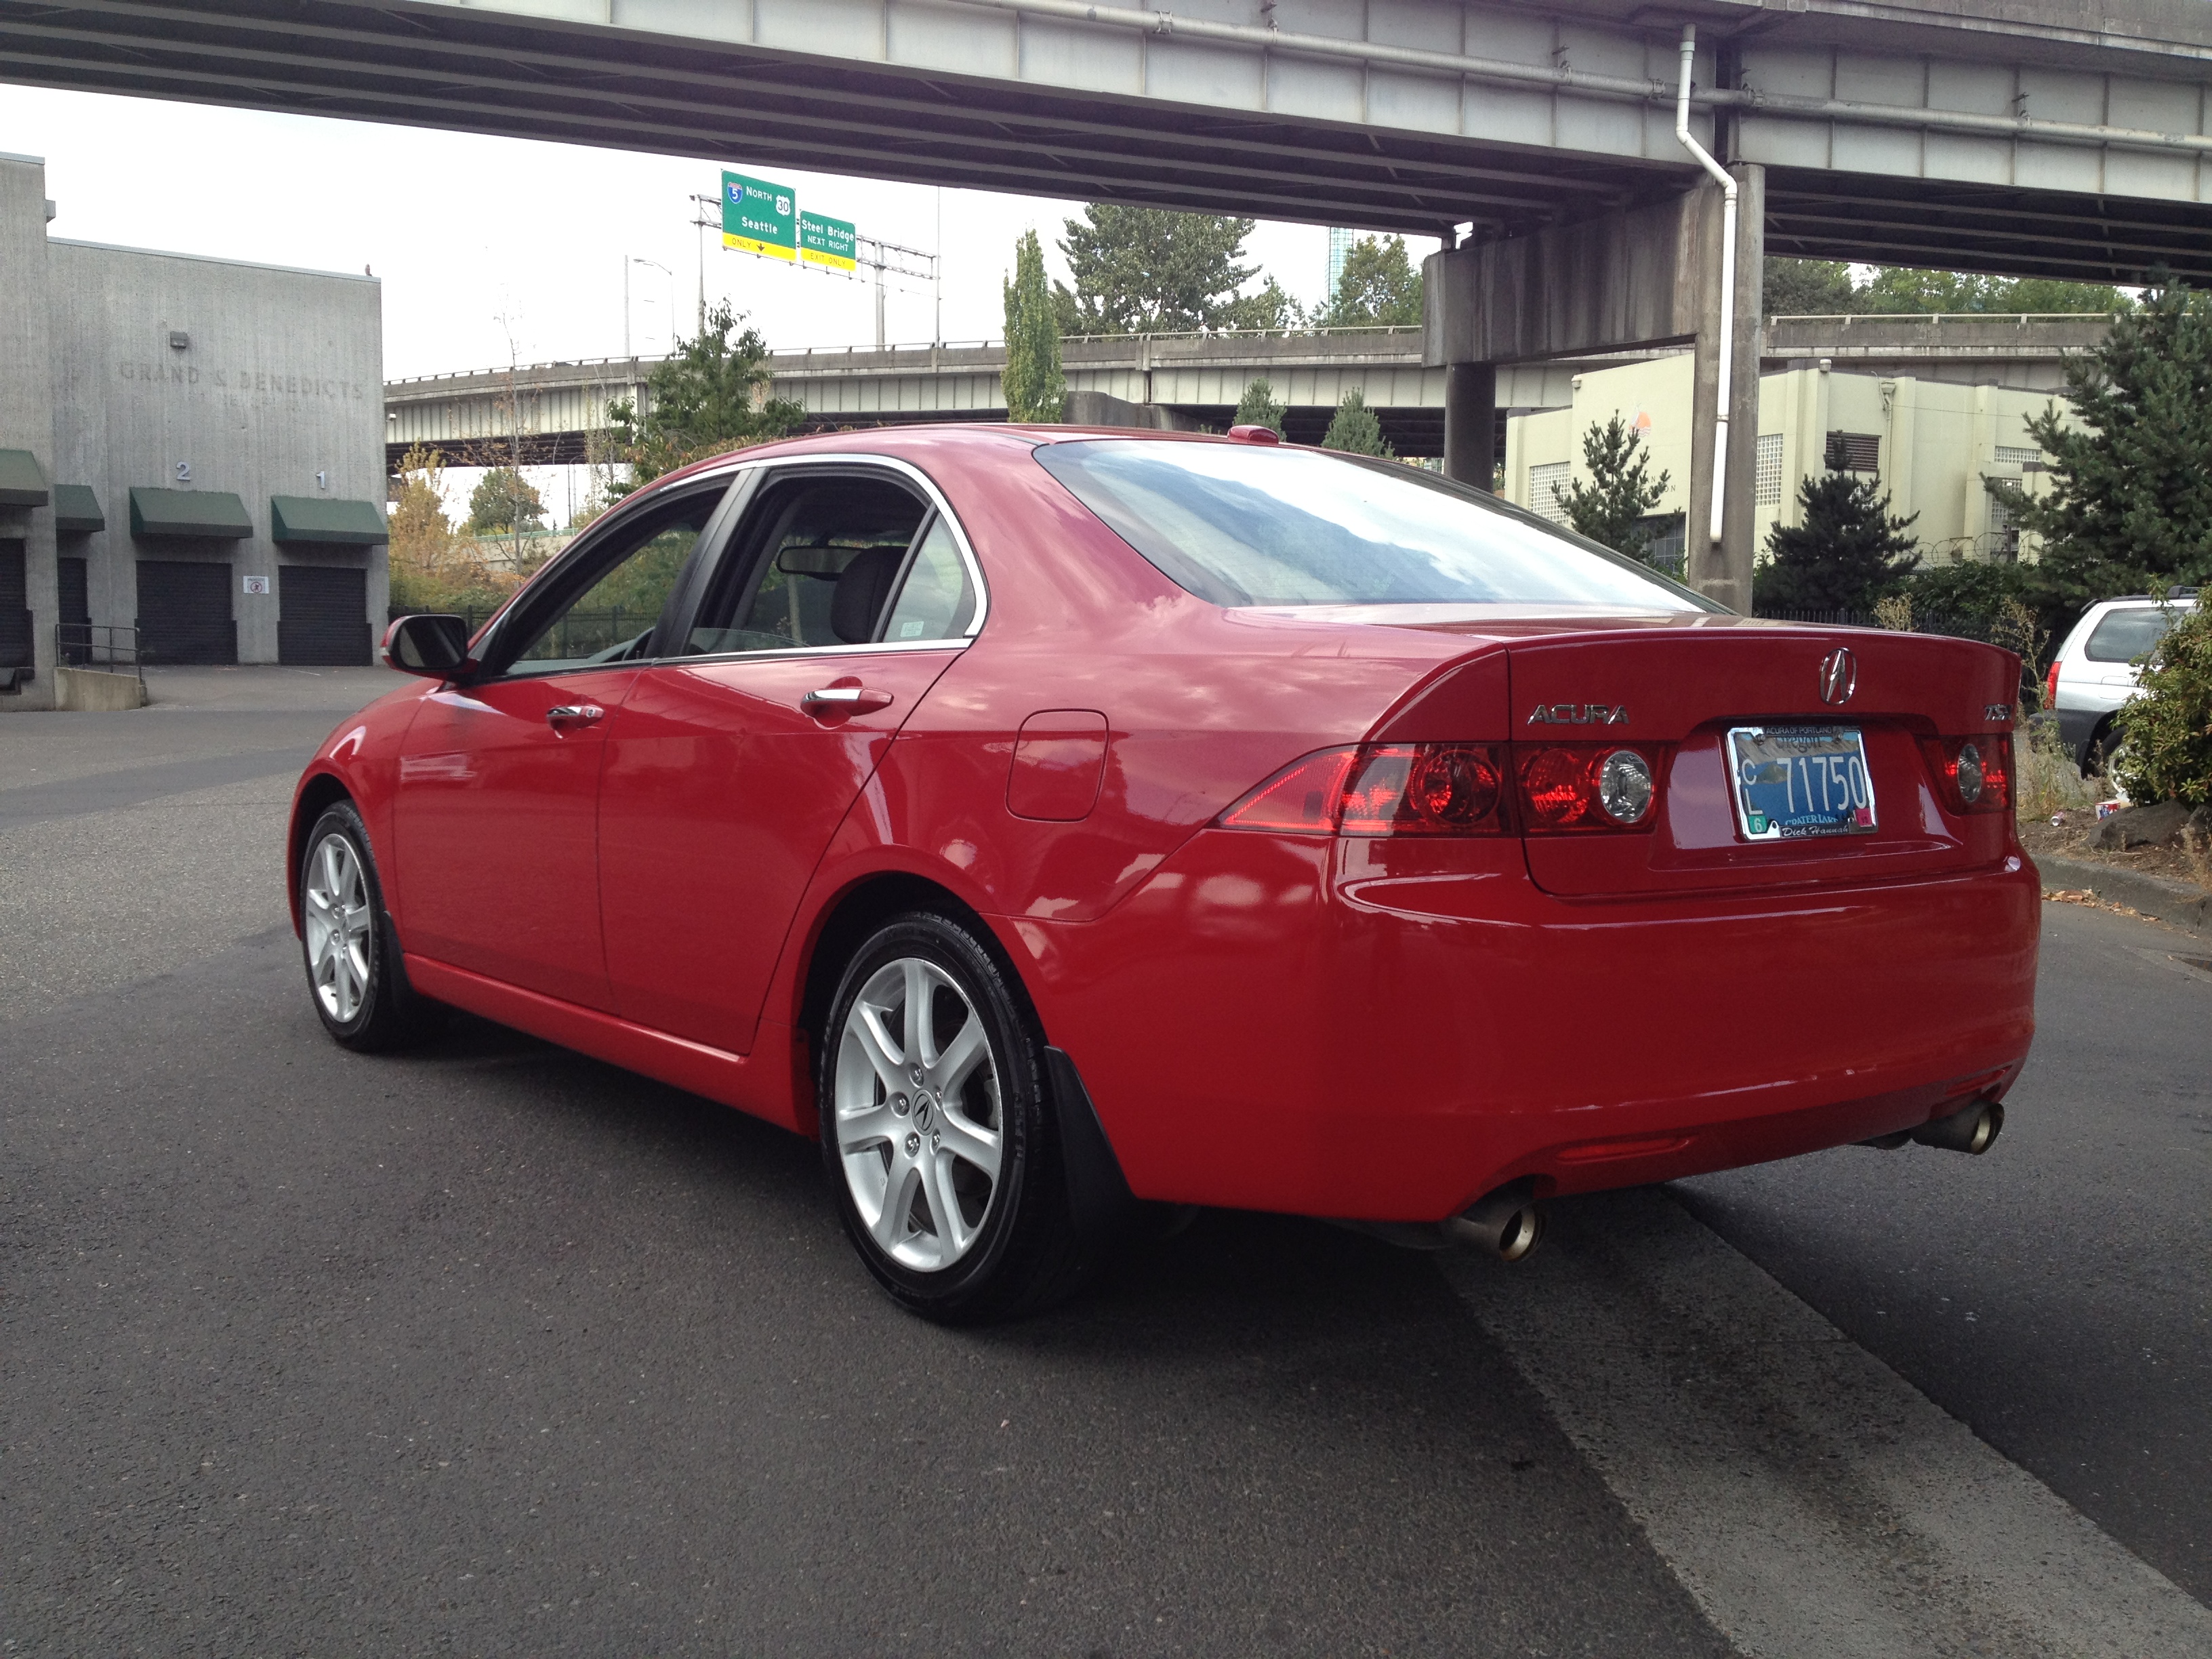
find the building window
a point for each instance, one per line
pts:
(2017, 455)
(1766, 482)
(1547, 485)
(1854, 451)
(2004, 530)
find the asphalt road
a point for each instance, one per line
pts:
(494, 1349)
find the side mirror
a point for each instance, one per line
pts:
(434, 647)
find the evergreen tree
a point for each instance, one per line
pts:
(1258, 407)
(1354, 428)
(1610, 510)
(1379, 288)
(2130, 505)
(1149, 271)
(709, 395)
(1849, 550)
(1036, 389)
(504, 501)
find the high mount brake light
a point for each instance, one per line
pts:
(1382, 789)
(1584, 787)
(1973, 774)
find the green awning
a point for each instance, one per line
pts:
(77, 509)
(321, 518)
(188, 513)
(22, 480)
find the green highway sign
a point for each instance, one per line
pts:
(760, 217)
(831, 243)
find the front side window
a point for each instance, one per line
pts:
(612, 619)
(837, 559)
(1244, 525)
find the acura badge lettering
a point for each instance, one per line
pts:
(1579, 713)
(1839, 676)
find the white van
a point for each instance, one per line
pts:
(2100, 666)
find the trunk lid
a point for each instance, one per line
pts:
(1686, 686)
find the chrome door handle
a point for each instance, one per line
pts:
(574, 714)
(844, 700)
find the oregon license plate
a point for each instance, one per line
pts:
(1794, 781)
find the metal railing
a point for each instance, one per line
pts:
(109, 646)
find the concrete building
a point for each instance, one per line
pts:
(1933, 445)
(189, 448)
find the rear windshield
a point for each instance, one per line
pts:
(2123, 636)
(1248, 524)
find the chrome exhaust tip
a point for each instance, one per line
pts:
(1508, 1224)
(1973, 1129)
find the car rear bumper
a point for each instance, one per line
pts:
(1355, 1029)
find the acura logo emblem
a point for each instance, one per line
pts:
(1839, 676)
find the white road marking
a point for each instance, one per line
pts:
(1815, 1504)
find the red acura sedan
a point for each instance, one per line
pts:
(1051, 821)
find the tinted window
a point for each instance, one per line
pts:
(2123, 636)
(1247, 525)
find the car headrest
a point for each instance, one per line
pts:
(862, 586)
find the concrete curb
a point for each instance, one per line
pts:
(2179, 903)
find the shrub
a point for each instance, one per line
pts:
(2168, 752)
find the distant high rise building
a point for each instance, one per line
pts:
(1340, 245)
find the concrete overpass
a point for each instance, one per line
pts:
(547, 413)
(2066, 137)
(1542, 142)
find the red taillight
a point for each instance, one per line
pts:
(1588, 785)
(2050, 686)
(1390, 789)
(1457, 789)
(1973, 774)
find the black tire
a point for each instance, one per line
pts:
(1026, 1252)
(379, 1011)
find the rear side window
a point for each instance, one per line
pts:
(837, 559)
(1250, 525)
(2124, 635)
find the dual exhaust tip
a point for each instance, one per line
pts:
(1509, 1224)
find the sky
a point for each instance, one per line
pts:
(490, 245)
(496, 250)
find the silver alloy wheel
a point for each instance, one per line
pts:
(919, 1129)
(339, 933)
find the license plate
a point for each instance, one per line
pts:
(1795, 781)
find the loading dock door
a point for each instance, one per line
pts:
(184, 612)
(74, 578)
(323, 615)
(16, 644)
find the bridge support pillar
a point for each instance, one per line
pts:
(1471, 423)
(1639, 277)
(1722, 570)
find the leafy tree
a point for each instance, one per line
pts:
(1971, 590)
(1610, 510)
(1354, 428)
(1036, 389)
(1271, 308)
(2129, 504)
(433, 568)
(1807, 287)
(505, 500)
(709, 395)
(1148, 270)
(1379, 288)
(2168, 755)
(1849, 552)
(1258, 407)
(1826, 288)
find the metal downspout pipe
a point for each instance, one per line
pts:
(1728, 273)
